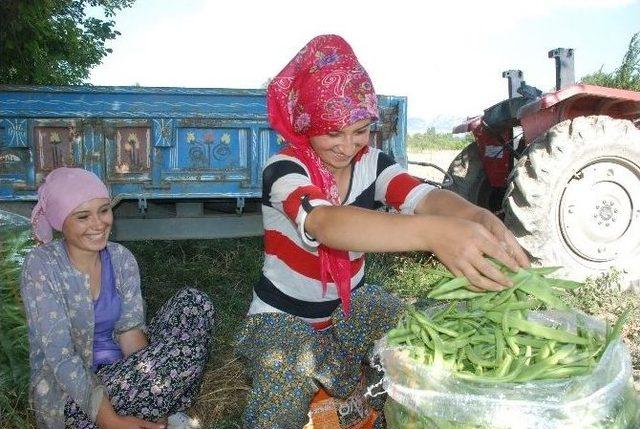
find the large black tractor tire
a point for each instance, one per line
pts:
(573, 199)
(470, 180)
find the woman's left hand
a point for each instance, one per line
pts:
(503, 235)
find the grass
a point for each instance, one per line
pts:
(431, 140)
(14, 347)
(603, 298)
(227, 269)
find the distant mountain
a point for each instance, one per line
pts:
(442, 123)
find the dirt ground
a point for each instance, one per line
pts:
(441, 158)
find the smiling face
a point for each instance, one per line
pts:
(337, 149)
(88, 226)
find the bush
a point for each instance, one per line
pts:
(627, 76)
(14, 345)
(432, 140)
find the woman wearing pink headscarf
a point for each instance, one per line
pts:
(93, 361)
(313, 319)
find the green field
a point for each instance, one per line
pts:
(431, 140)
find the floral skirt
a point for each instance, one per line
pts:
(164, 377)
(288, 361)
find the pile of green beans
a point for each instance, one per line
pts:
(486, 337)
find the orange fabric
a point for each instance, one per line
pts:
(324, 414)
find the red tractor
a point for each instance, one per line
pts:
(563, 169)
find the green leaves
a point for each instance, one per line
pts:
(627, 76)
(54, 42)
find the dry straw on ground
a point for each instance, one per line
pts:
(223, 392)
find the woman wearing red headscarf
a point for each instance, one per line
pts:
(313, 320)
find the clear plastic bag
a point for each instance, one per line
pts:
(428, 397)
(11, 221)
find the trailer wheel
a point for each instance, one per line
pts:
(573, 199)
(471, 182)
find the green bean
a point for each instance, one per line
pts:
(539, 289)
(487, 338)
(523, 340)
(528, 354)
(425, 339)
(617, 328)
(521, 295)
(505, 365)
(500, 299)
(442, 314)
(518, 277)
(483, 300)
(453, 346)
(564, 372)
(437, 346)
(403, 339)
(543, 271)
(449, 286)
(563, 284)
(483, 338)
(466, 333)
(505, 324)
(512, 345)
(415, 328)
(458, 294)
(540, 367)
(398, 332)
(545, 352)
(424, 321)
(450, 324)
(520, 305)
(577, 357)
(539, 330)
(500, 345)
(477, 359)
(517, 368)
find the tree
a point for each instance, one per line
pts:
(627, 76)
(54, 42)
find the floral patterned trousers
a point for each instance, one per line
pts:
(164, 377)
(288, 360)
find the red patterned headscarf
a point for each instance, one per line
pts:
(323, 89)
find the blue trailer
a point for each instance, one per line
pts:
(180, 162)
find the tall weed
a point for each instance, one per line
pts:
(14, 346)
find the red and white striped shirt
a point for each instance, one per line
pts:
(290, 280)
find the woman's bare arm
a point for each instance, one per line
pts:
(459, 243)
(131, 341)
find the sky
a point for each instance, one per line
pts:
(446, 57)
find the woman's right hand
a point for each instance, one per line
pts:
(461, 245)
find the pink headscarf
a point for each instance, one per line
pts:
(323, 89)
(62, 191)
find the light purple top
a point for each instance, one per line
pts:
(107, 310)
